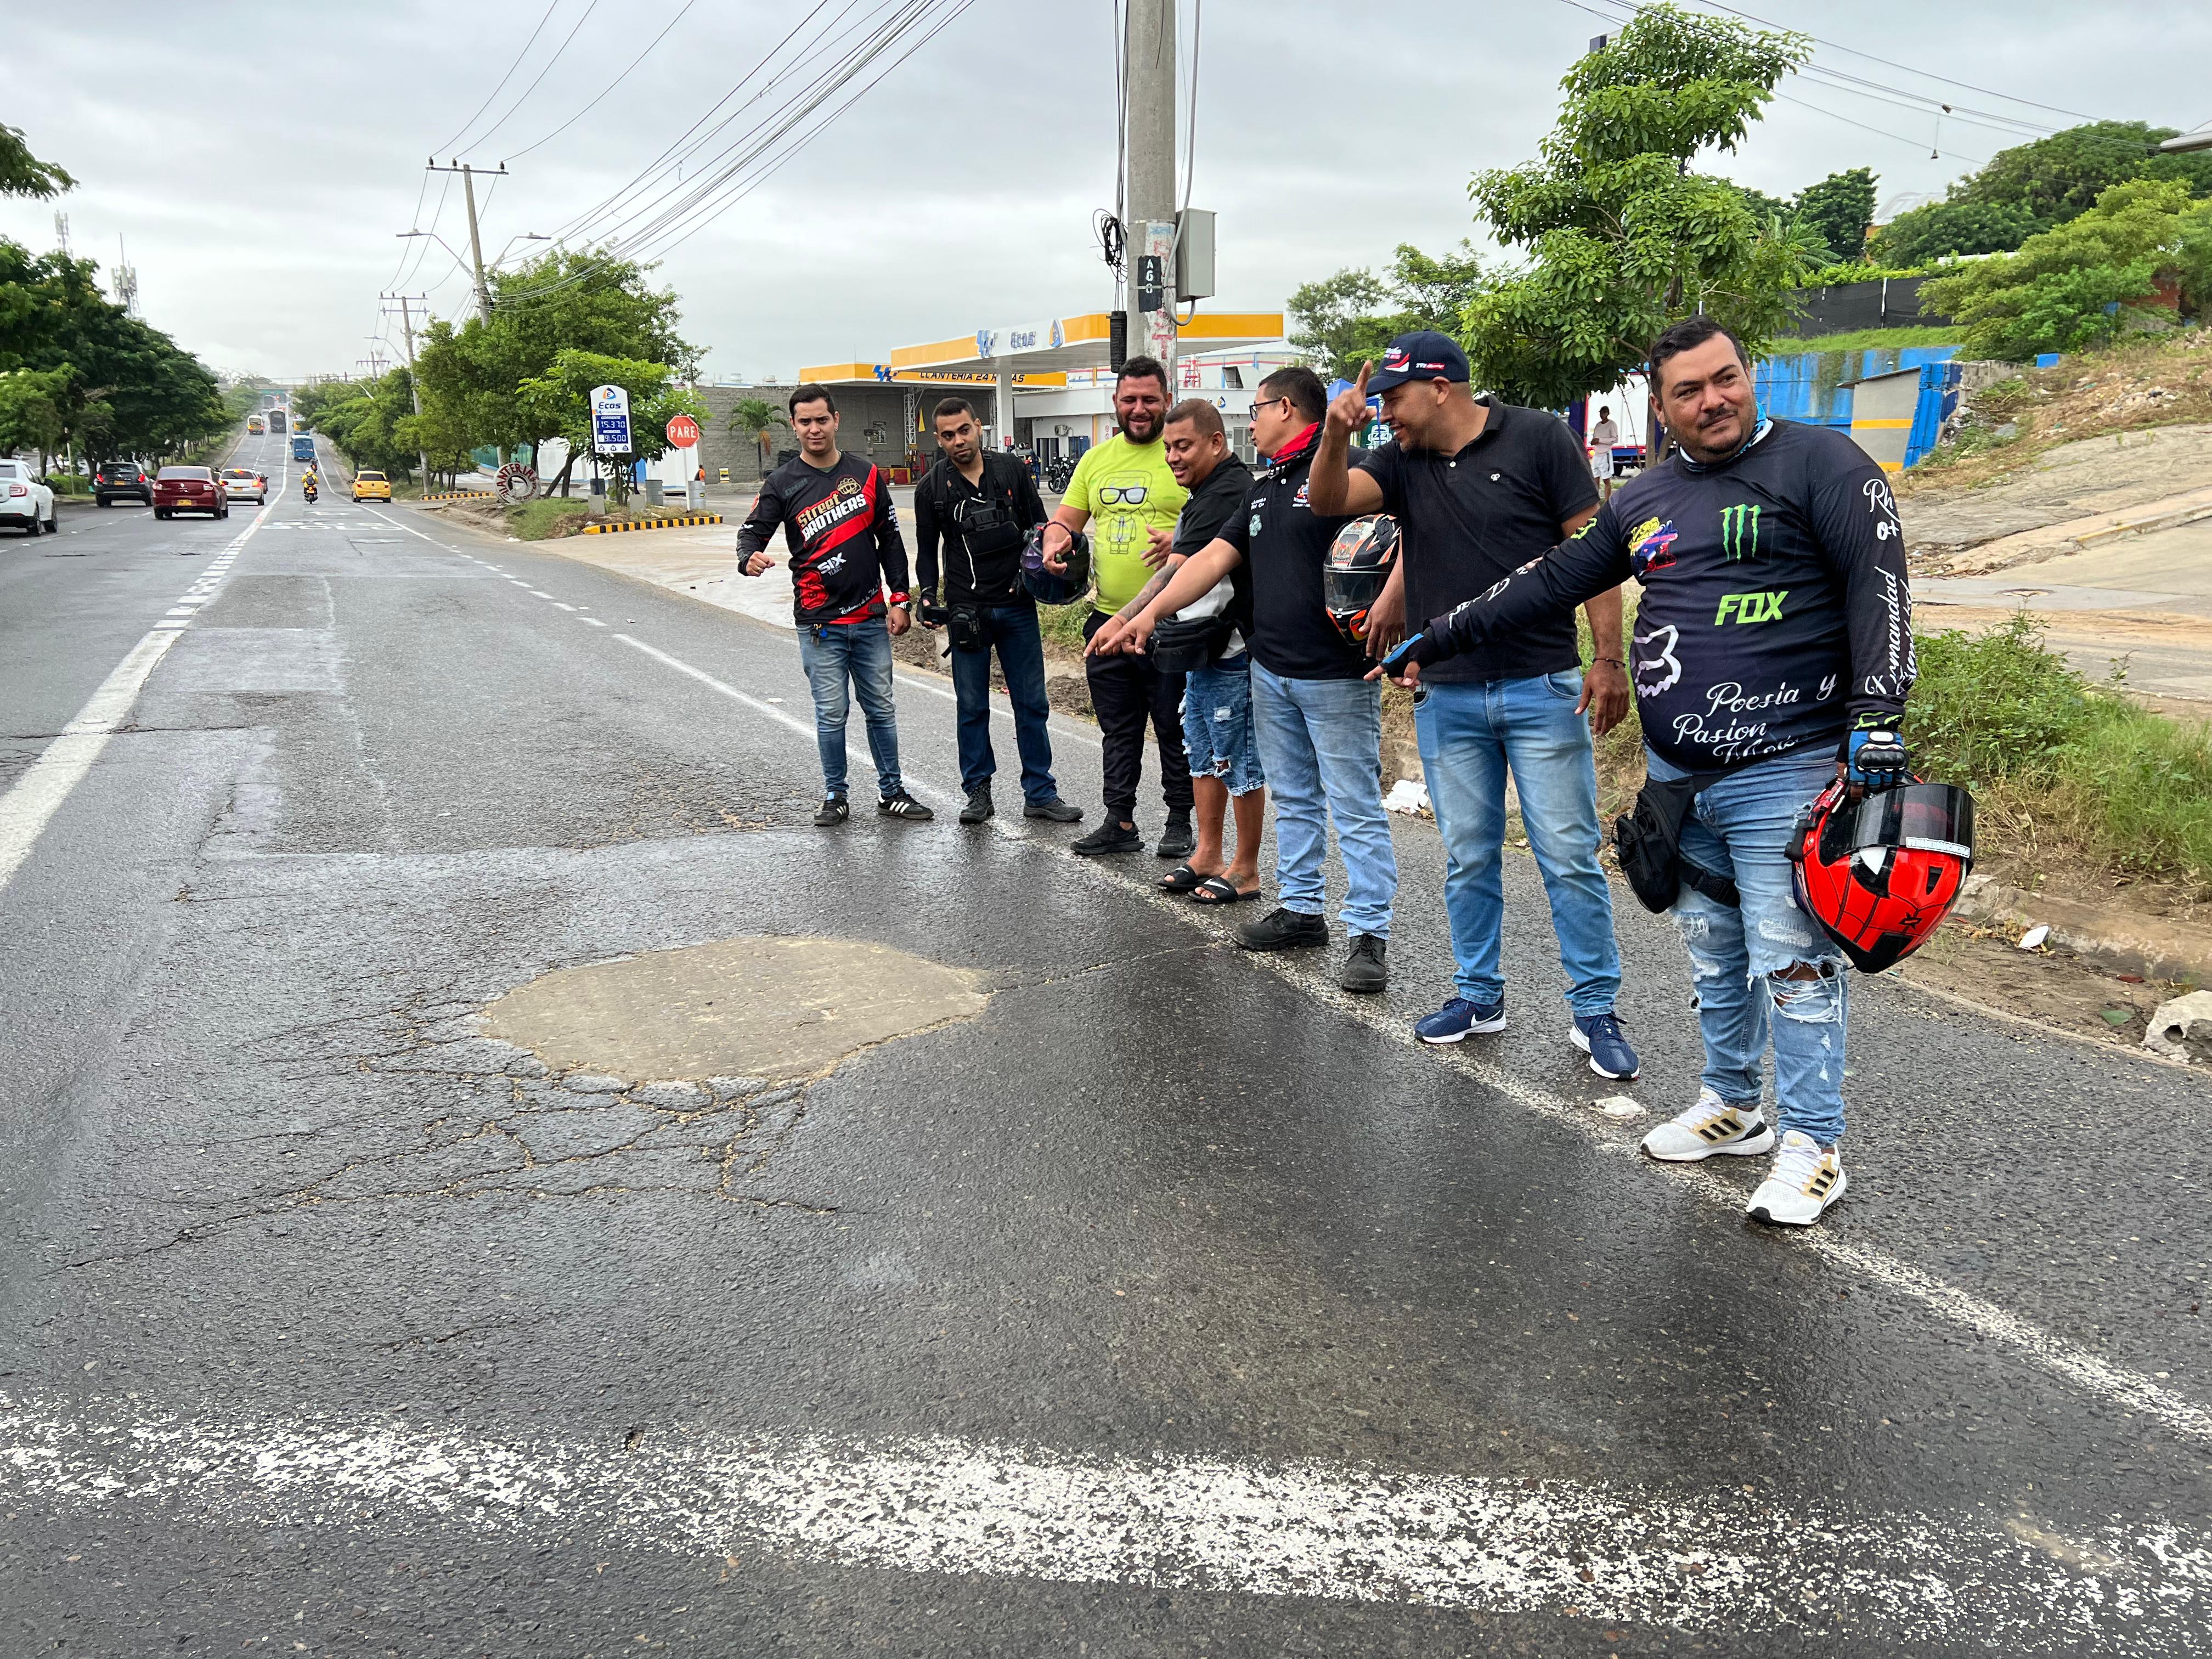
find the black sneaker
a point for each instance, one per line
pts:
(1283, 930)
(903, 805)
(1108, 837)
(1176, 841)
(979, 805)
(833, 810)
(1363, 964)
(1055, 808)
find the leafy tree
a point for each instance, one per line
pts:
(558, 404)
(2070, 287)
(2062, 177)
(1838, 210)
(22, 174)
(759, 417)
(1924, 234)
(1624, 238)
(371, 422)
(31, 410)
(1342, 321)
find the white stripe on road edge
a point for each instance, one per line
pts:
(1334, 1532)
(31, 803)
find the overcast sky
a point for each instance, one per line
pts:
(260, 165)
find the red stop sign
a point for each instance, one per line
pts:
(683, 431)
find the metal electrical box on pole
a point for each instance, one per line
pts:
(1149, 51)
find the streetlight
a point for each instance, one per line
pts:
(2201, 139)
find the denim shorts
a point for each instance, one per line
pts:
(1217, 724)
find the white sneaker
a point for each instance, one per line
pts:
(1804, 1181)
(1711, 1125)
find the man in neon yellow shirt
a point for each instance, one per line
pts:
(1124, 490)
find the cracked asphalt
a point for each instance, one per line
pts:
(265, 1180)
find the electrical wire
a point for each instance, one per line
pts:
(678, 211)
(607, 89)
(447, 149)
(485, 138)
(1946, 155)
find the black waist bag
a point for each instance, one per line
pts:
(1648, 838)
(963, 625)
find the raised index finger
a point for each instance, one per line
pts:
(1360, 384)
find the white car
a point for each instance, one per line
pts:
(25, 505)
(239, 483)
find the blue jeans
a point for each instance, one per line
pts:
(862, 652)
(1013, 629)
(1469, 735)
(1741, 828)
(1217, 725)
(1321, 745)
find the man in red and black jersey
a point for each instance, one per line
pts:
(844, 536)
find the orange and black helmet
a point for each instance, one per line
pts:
(1356, 570)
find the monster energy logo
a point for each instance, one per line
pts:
(1740, 531)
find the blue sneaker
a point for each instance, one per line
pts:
(1599, 1037)
(1459, 1018)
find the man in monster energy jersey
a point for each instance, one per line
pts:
(1772, 650)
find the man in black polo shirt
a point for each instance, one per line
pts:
(980, 504)
(1480, 487)
(1318, 722)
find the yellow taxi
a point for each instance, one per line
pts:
(371, 487)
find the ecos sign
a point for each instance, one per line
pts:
(610, 419)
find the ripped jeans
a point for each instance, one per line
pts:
(1740, 827)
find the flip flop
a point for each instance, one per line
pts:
(1181, 879)
(1216, 889)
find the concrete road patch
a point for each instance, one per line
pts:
(737, 1007)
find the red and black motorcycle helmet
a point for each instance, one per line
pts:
(1356, 570)
(1879, 873)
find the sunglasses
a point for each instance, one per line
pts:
(1114, 495)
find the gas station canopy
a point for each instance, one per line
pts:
(1043, 354)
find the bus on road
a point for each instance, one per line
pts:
(276, 419)
(253, 424)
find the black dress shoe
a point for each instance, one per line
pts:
(1362, 965)
(1283, 930)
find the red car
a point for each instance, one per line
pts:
(189, 490)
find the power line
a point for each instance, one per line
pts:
(449, 143)
(1948, 155)
(485, 138)
(607, 89)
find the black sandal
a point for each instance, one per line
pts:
(1181, 879)
(1219, 890)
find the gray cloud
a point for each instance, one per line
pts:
(260, 164)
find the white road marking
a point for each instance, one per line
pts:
(591, 620)
(32, 801)
(1337, 1532)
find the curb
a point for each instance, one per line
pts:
(2141, 944)
(650, 523)
(459, 495)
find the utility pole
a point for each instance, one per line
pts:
(414, 385)
(1149, 195)
(475, 246)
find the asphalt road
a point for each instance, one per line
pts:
(1172, 1303)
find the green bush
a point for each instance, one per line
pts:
(2006, 717)
(547, 517)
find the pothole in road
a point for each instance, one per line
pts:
(774, 1008)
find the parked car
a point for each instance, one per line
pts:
(26, 504)
(117, 481)
(371, 487)
(239, 482)
(189, 490)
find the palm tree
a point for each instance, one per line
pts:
(760, 417)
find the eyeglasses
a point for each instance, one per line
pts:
(1258, 404)
(1113, 494)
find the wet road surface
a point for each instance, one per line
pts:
(1157, 1300)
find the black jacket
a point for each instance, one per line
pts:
(996, 514)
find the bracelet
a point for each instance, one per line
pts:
(1616, 661)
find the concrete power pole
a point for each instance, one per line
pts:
(414, 387)
(1148, 50)
(476, 249)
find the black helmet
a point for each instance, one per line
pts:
(1357, 566)
(1048, 586)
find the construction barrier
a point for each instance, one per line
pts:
(652, 524)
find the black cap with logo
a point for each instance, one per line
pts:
(1424, 354)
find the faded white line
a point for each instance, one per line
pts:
(31, 802)
(1726, 1561)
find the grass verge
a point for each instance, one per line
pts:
(547, 517)
(1872, 339)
